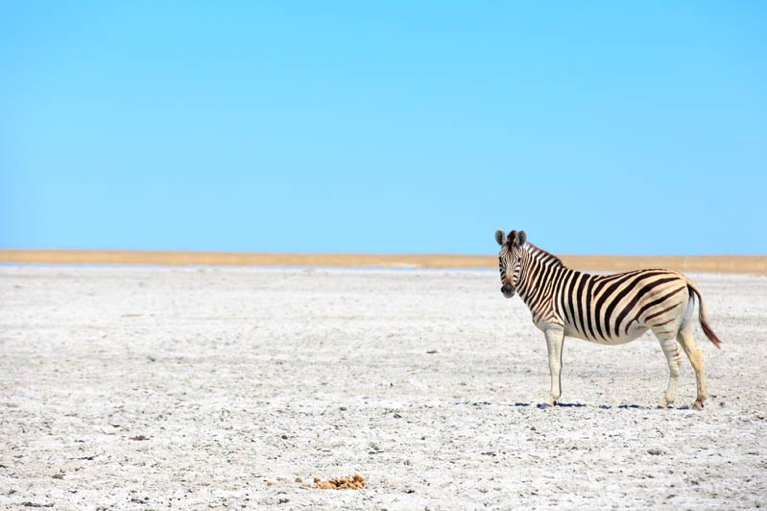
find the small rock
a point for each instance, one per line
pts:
(655, 451)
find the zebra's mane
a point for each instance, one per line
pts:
(547, 257)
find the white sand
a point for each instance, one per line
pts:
(243, 376)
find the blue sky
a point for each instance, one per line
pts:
(598, 127)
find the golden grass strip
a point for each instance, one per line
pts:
(753, 264)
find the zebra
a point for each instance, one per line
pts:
(605, 309)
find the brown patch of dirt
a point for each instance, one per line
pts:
(355, 482)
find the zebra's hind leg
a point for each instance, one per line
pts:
(671, 350)
(696, 359)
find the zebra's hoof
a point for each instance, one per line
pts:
(549, 402)
(698, 405)
(663, 404)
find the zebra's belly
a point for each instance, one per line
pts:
(634, 332)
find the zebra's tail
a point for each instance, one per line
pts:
(702, 316)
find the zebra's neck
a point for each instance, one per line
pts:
(537, 268)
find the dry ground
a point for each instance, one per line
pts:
(157, 388)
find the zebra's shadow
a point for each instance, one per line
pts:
(542, 406)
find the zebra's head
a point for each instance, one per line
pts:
(509, 259)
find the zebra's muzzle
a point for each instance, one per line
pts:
(507, 290)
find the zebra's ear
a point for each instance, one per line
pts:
(521, 238)
(499, 235)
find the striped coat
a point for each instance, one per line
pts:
(605, 309)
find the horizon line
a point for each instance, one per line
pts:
(716, 263)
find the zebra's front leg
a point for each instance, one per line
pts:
(555, 339)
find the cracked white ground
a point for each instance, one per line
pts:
(157, 388)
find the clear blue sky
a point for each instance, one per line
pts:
(598, 127)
